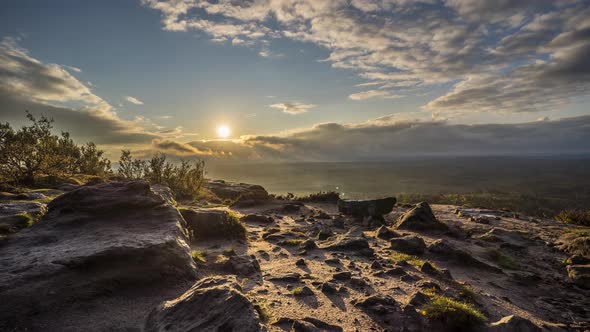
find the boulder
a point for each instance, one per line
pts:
(234, 191)
(579, 275)
(409, 244)
(513, 323)
(242, 265)
(213, 223)
(16, 215)
(420, 218)
(355, 244)
(385, 233)
(366, 208)
(445, 249)
(212, 304)
(93, 241)
(21, 196)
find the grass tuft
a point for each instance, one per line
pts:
(455, 315)
(292, 242)
(574, 216)
(411, 259)
(503, 261)
(199, 256)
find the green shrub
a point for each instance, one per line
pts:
(184, 179)
(32, 151)
(411, 259)
(574, 216)
(320, 197)
(455, 315)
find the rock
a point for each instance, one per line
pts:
(342, 275)
(577, 260)
(15, 215)
(165, 192)
(353, 244)
(575, 245)
(308, 245)
(366, 208)
(13, 197)
(303, 326)
(257, 218)
(93, 240)
(321, 215)
(212, 304)
(291, 208)
(446, 250)
(300, 262)
(324, 234)
(418, 299)
(579, 275)
(420, 218)
(429, 269)
(243, 265)
(385, 233)
(234, 191)
(213, 223)
(287, 277)
(377, 304)
(329, 288)
(323, 326)
(303, 291)
(333, 261)
(376, 266)
(513, 323)
(409, 244)
(425, 284)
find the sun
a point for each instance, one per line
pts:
(223, 131)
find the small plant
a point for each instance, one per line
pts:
(411, 259)
(503, 261)
(574, 216)
(199, 256)
(320, 197)
(467, 293)
(455, 315)
(297, 291)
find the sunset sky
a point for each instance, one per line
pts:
(303, 79)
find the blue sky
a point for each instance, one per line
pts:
(280, 67)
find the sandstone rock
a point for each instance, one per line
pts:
(308, 245)
(21, 196)
(257, 218)
(11, 214)
(579, 275)
(513, 323)
(576, 245)
(446, 250)
(577, 260)
(165, 192)
(366, 208)
(329, 288)
(409, 244)
(93, 240)
(418, 299)
(420, 218)
(345, 275)
(242, 265)
(303, 291)
(287, 277)
(233, 191)
(352, 244)
(385, 233)
(212, 304)
(213, 223)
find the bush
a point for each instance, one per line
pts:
(320, 197)
(455, 315)
(185, 179)
(34, 150)
(574, 216)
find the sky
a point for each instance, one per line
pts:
(302, 80)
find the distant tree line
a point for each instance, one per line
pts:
(33, 150)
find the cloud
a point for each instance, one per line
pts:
(293, 108)
(178, 149)
(372, 94)
(403, 47)
(29, 84)
(134, 100)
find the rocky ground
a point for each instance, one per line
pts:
(127, 257)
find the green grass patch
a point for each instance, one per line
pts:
(292, 242)
(297, 291)
(467, 293)
(455, 315)
(411, 259)
(574, 216)
(504, 261)
(199, 256)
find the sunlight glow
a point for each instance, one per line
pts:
(223, 131)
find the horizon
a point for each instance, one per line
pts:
(302, 81)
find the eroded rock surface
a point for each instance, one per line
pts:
(93, 241)
(234, 191)
(420, 218)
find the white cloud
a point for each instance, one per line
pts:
(294, 107)
(372, 94)
(134, 100)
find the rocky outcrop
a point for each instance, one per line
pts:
(366, 208)
(420, 218)
(446, 250)
(212, 304)
(213, 223)
(409, 244)
(579, 275)
(16, 215)
(94, 240)
(353, 244)
(234, 191)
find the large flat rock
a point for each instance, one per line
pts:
(234, 191)
(366, 208)
(92, 242)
